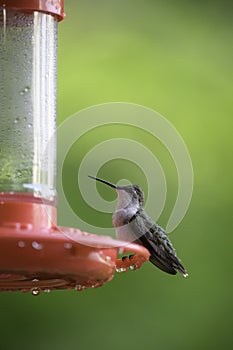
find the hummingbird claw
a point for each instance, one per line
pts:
(132, 262)
(125, 258)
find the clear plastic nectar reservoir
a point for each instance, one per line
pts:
(28, 44)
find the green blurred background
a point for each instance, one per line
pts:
(175, 57)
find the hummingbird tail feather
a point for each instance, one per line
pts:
(162, 266)
(181, 269)
(163, 255)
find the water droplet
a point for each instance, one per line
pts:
(16, 120)
(97, 285)
(36, 291)
(108, 258)
(47, 290)
(29, 125)
(78, 287)
(26, 89)
(121, 269)
(68, 245)
(35, 280)
(21, 244)
(133, 267)
(37, 245)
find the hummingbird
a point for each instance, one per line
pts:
(132, 224)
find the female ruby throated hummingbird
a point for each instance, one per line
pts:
(132, 224)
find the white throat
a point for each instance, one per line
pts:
(124, 199)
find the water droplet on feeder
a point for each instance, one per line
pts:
(78, 287)
(21, 244)
(36, 291)
(121, 269)
(67, 245)
(35, 280)
(37, 245)
(26, 89)
(47, 290)
(133, 267)
(97, 285)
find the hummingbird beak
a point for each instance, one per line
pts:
(105, 182)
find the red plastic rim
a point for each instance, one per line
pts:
(53, 7)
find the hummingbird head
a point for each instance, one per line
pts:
(131, 195)
(128, 196)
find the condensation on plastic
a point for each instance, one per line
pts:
(28, 103)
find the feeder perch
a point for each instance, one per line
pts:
(35, 254)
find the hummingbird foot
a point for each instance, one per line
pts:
(124, 258)
(131, 262)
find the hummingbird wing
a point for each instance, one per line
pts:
(154, 238)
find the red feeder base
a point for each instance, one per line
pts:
(37, 256)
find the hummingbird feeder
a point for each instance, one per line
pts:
(35, 254)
